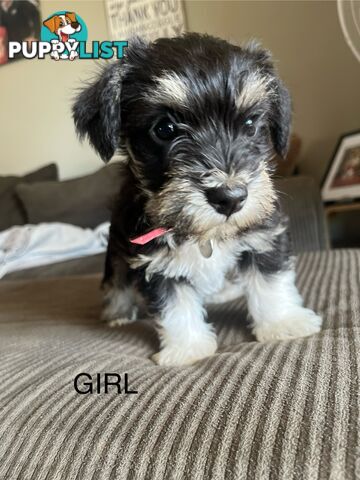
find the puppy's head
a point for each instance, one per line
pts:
(199, 119)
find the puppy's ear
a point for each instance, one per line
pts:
(280, 115)
(71, 16)
(50, 23)
(280, 119)
(96, 111)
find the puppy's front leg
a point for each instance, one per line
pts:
(276, 307)
(122, 302)
(185, 336)
(121, 306)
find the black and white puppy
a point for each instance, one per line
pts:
(197, 219)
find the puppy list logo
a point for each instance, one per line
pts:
(63, 37)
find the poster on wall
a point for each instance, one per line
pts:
(342, 178)
(149, 19)
(20, 21)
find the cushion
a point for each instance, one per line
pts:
(11, 210)
(83, 201)
(74, 266)
(301, 201)
(279, 410)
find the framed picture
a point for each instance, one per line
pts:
(150, 19)
(19, 21)
(342, 178)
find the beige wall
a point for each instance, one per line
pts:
(305, 37)
(35, 118)
(312, 57)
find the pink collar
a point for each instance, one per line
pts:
(147, 237)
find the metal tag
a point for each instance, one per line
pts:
(206, 248)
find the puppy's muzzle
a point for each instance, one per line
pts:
(227, 201)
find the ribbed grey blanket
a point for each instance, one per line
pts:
(285, 410)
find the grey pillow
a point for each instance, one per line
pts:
(301, 201)
(83, 201)
(11, 210)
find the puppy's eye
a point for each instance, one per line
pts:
(250, 127)
(165, 130)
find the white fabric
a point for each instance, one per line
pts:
(35, 245)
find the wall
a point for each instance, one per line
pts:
(35, 118)
(305, 37)
(312, 57)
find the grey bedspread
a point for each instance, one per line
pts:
(300, 200)
(283, 410)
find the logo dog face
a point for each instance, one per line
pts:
(63, 25)
(200, 120)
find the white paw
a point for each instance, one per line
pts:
(117, 319)
(173, 355)
(300, 322)
(118, 322)
(120, 307)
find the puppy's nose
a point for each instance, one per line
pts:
(226, 201)
(75, 24)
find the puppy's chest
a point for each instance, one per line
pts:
(206, 274)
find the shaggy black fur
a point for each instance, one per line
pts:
(120, 109)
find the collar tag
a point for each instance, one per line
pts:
(206, 248)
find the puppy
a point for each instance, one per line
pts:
(197, 219)
(63, 26)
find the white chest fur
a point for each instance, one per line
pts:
(185, 261)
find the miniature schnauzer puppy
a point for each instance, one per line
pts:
(197, 219)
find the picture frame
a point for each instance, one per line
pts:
(341, 181)
(20, 20)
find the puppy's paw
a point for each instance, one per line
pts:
(118, 322)
(120, 307)
(300, 322)
(118, 319)
(175, 355)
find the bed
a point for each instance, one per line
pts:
(282, 410)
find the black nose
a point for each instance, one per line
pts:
(227, 201)
(75, 24)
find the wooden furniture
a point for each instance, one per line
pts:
(342, 207)
(343, 220)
